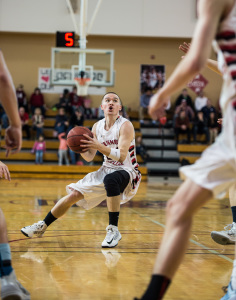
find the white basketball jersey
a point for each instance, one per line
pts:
(110, 139)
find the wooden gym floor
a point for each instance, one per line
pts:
(69, 263)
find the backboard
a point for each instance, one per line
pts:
(66, 65)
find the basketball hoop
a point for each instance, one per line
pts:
(82, 85)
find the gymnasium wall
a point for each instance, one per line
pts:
(152, 18)
(25, 53)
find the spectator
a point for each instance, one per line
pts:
(37, 100)
(65, 102)
(24, 122)
(213, 127)
(184, 95)
(61, 123)
(38, 122)
(62, 151)
(21, 97)
(200, 127)
(207, 109)
(141, 149)
(39, 149)
(182, 125)
(144, 102)
(200, 101)
(100, 113)
(188, 110)
(88, 113)
(76, 101)
(77, 119)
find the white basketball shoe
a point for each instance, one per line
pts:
(12, 289)
(37, 228)
(225, 237)
(112, 238)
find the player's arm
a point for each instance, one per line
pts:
(210, 13)
(126, 136)
(90, 153)
(13, 134)
(211, 63)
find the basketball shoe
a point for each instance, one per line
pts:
(230, 295)
(112, 238)
(12, 289)
(225, 237)
(37, 228)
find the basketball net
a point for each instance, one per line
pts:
(82, 85)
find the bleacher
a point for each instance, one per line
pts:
(190, 152)
(22, 164)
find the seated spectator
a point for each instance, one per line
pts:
(188, 110)
(39, 148)
(65, 102)
(200, 101)
(123, 112)
(77, 119)
(141, 148)
(4, 118)
(37, 100)
(207, 109)
(75, 100)
(144, 102)
(200, 127)
(62, 151)
(38, 122)
(21, 97)
(213, 126)
(61, 123)
(184, 95)
(100, 113)
(88, 113)
(182, 126)
(24, 121)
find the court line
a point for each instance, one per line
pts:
(192, 241)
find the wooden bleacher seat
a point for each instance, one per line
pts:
(190, 152)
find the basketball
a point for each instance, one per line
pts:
(75, 136)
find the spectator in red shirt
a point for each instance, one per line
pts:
(24, 121)
(75, 100)
(37, 100)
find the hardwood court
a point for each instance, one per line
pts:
(69, 263)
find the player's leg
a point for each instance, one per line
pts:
(228, 236)
(115, 183)
(57, 211)
(180, 210)
(10, 287)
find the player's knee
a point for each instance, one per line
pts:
(177, 212)
(74, 197)
(111, 185)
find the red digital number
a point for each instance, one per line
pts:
(69, 39)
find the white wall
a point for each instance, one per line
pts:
(152, 18)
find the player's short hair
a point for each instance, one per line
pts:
(114, 94)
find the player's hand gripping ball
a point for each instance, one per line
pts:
(74, 137)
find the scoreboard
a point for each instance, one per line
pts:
(65, 39)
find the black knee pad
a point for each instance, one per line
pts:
(116, 182)
(111, 185)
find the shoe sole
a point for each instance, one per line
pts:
(219, 239)
(111, 246)
(25, 233)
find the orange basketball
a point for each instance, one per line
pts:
(75, 136)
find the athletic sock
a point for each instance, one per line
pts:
(233, 276)
(49, 219)
(113, 218)
(5, 260)
(233, 209)
(157, 288)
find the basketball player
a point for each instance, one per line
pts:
(117, 180)
(10, 286)
(215, 171)
(227, 236)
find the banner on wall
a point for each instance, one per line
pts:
(152, 77)
(44, 83)
(198, 83)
